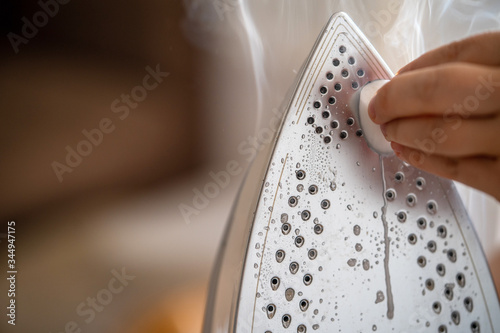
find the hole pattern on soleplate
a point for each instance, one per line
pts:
(271, 311)
(285, 228)
(275, 283)
(421, 231)
(308, 279)
(280, 256)
(312, 254)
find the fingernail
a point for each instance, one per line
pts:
(398, 149)
(371, 110)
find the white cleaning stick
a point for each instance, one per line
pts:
(371, 131)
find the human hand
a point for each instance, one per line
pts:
(441, 112)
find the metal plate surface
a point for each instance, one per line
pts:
(344, 240)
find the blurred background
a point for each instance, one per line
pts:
(115, 117)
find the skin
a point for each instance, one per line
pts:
(441, 117)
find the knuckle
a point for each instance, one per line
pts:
(454, 50)
(425, 90)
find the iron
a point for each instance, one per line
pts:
(329, 236)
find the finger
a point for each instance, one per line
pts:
(452, 137)
(469, 90)
(480, 49)
(479, 172)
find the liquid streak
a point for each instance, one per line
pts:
(387, 241)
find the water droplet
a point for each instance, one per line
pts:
(284, 218)
(366, 264)
(289, 294)
(333, 186)
(380, 297)
(351, 262)
(356, 229)
(358, 247)
(375, 214)
(374, 328)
